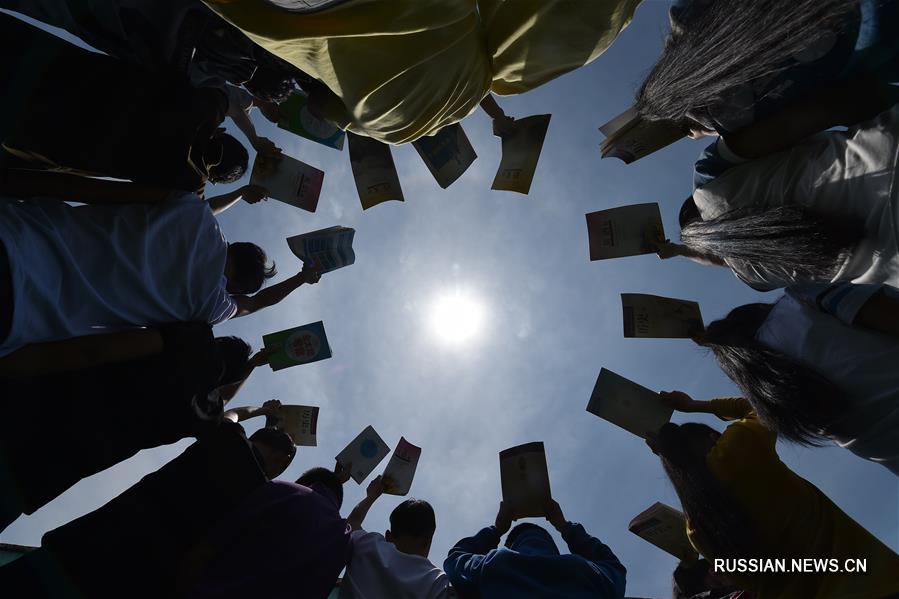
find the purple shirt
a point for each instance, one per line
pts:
(284, 540)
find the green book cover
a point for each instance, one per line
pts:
(299, 345)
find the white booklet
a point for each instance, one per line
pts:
(629, 137)
(374, 171)
(300, 422)
(625, 231)
(521, 151)
(289, 180)
(364, 452)
(326, 249)
(525, 479)
(625, 403)
(666, 528)
(447, 153)
(660, 317)
(400, 471)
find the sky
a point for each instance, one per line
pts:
(552, 319)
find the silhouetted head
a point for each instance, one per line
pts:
(234, 356)
(688, 213)
(271, 83)
(246, 268)
(225, 158)
(412, 526)
(531, 539)
(325, 478)
(276, 449)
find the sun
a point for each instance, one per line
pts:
(457, 317)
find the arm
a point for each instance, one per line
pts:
(667, 250)
(465, 560)
(262, 145)
(79, 353)
(251, 194)
(502, 124)
(375, 490)
(73, 188)
(247, 304)
(227, 392)
(725, 408)
(269, 409)
(846, 103)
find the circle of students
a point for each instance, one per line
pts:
(115, 299)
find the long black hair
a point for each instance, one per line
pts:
(792, 242)
(788, 397)
(728, 43)
(711, 510)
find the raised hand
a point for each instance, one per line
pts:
(503, 518)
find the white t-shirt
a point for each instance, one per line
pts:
(864, 363)
(378, 570)
(92, 269)
(848, 175)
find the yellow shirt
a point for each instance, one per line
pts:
(792, 517)
(402, 69)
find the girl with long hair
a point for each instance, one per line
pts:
(741, 502)
(825, 210)
(819, 365)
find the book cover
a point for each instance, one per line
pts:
(288, 180)
(521, 152)
(626, 404)
(299, 120)
(629, 137)
(299, 345)
(400, 469)
(666, 528)
(447, 153)
(300, 422)
(659, 317)
(525, 479)
(625, 231)
(373, 171)
(364, 452)
(326, 249)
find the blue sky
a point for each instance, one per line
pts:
(553, 320)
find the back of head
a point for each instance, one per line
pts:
(234, 355)
(413, 518)
(276, 448)
(531, 539)
(325, 478)
(689, 579)
(791, 242)
(724, 44)
(710, 509)
(787, 396)
(226, 158)
(250, 268)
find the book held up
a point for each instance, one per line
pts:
(400, 471)
(364, 453)
(447, 153)
(666, 528)
(525, 480)
(299, 345)
(326, 249)
(625, 231)
(659, 317)
(373, 171)
(629, 137)
(288, 180)
(521, 151)
(299, 120)
(300, 422)
(624, 403)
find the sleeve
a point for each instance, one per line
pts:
(841, 300)
(224, 307)
(609, 572)
(731, 408)
(744, 437)
(714, 161)
(465, 560)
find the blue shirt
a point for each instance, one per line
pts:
(534, 568)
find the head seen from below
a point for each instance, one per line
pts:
(233, 353)
(276, 450)
(325, 480)
(225, 158)
(531, 539)
(246, 268)
(412, 526)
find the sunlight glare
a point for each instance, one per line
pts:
(456, 317)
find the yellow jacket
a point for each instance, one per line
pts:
(792, 518)
(402, 69)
